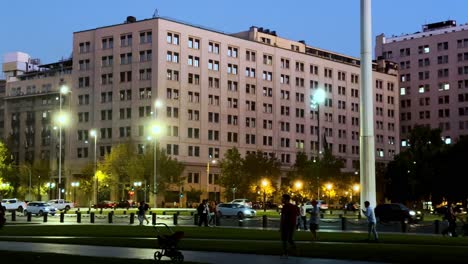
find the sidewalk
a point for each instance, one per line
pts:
(139, 253)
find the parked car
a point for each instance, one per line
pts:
(234, 209)
(13, 204)
(61, 204)
(39, 208)
(396, 212)
(243, 201)
(351, 207)
(124, 204)
(104, 204)
(321, 204)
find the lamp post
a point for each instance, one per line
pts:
(137, 184)
(93, 134)
(264, 185)
(61, 119)
(75, 185)
(50, 185)
(212, 161)
(315, 100)
(355, 189)
(329, 186)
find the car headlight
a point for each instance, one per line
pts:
(412, 213)
(418, 212)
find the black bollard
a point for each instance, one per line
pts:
(132, 218)
(109, 216)
(78, 217)
(164, 212)
(153, 219)
(91, 218)
(62, 216)
(175, 216)
(191, 213)
(436, 226)
(265, 221)
(321, 216)
(195, 219)
(100, 211)
(29, 217)
(13, 216)
(125, 212)
(218, 220)
(45, 217)
(404, 226)
(343, 223)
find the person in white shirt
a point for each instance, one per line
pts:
(314, 219)
(369, 213)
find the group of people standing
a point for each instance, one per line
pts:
(292, 216)
(206, 213)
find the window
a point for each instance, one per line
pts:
(172, 57)
(423, 49)
(172, 38)
(232, 86)
(85, 47)
(213, 135)
(284, 79)
(83, 65)
(145, 74)
(284, 63)
(232, 52)
(213, 65)
(299, 66)
(83, 82)
(107, 43)
(146, 37)
(268, 76)
(232, 68)
(213, 82)
(193, 61)
(268, 92)
(125, 76)
(313, 69)
(249, 72)
(213, 47)
(126, 40)
(194, 79)
(250, 105)
(172, 75)
(267, 59)
(194, 151)
(250, 55)
(193, 43)
(250, 89)
(106, 79)
(442, 46)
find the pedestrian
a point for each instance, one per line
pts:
(146, 212)
(369, 213)
(451, 218)
(302, 219)
(203, 212)
(212, 214)
(289, 214)
(314, 219)
(141, 212)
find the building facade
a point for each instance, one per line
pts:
(433, 81)
(250, 90)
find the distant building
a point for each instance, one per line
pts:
(433, 82)
(249, 90)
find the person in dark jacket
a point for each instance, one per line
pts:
(289, 214)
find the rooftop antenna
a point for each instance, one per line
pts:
(156, 13)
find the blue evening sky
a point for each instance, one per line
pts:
(43, 28)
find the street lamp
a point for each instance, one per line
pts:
(137, 184)
(50, 185)
(75, 185)
(355, 189)
(212, 161)
(316, 100)
(264, 186)
(93, 134)
(156, 130)
(329, 186)
(61, 120)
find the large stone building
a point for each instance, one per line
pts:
(433, 85)
(249, 90)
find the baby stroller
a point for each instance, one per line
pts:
(168, 244)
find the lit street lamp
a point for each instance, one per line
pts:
(75, 185)
(155, 130)
(212, 161)
(316, 100)
(355, 189)
(137, 184)
(61, 120)
(329, 187)
(93, 134)
(264, 186)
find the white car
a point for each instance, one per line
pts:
(321, 204)
(244, 201)
(61, 204)
(234, 209)
(13, 204)
(39, 208)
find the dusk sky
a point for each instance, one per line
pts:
(44, 29)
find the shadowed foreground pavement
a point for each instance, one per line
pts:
(144, 253)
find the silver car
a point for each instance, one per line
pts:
(233, 209)
(39, 208)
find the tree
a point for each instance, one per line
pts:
(6, 172)
(256, 167)
(231, 177)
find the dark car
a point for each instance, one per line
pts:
(396, 212)
(104, 204)
(124, 204)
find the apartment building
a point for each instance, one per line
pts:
(249, 90)
(433, 81)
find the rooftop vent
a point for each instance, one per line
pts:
(130, 19)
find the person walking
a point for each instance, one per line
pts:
(314, 219)
(142, 212)
(302, 221)
(451, 218)
(203, 212)
(289, 214)
(212, 214)
(369, 213)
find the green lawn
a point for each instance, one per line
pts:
(395, 248)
